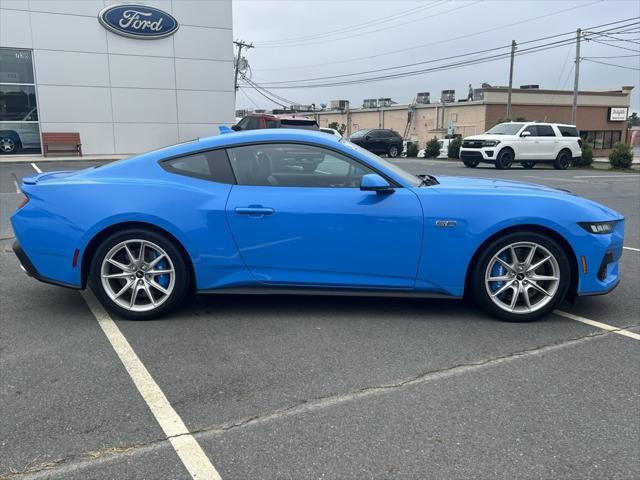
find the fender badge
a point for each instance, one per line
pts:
(446, 223)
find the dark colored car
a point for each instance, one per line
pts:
(257, 121)
(378, 140)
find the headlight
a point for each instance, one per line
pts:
(599, 228)
(490, 143)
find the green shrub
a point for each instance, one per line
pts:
(621, 156)
(433, 148)
(586, 158)
(412, 149)
(453, 150)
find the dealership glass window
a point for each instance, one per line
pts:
(19, 129)
(604, 139)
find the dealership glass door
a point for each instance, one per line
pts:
(19, 128)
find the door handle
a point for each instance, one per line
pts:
(255, 210)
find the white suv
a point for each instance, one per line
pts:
(524, 142)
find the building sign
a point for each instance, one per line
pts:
(138, 21)
(618, 114)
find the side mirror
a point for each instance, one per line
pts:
(525, 134)
(373, 182)
(367, 137)
(235, 128)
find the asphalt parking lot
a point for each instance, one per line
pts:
(311, 387)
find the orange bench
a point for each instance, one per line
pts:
(61, 138)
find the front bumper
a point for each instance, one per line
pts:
(602, 255)
(27, 266)
(485, 154)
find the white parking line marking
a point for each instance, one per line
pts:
(593, 323)
(17, 187)
(185, 445)
(36, 167)
(632, 249)
(627, 177)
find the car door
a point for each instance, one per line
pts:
(376, 141)
(528, 145)
(296, 227)
(548, 143)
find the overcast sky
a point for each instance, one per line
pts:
(426, 30)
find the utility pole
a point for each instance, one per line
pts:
(240, 44)
(574, 106)
(513, 53)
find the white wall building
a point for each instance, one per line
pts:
(62, 70)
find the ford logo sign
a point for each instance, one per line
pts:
(138, 21)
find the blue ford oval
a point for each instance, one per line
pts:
(295, 211)
(138, 21)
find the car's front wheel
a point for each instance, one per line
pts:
(528, 165)
(393, 151)
(8, 145)
(521, 276)
(139, 274)
(505, 159)
(471, 163)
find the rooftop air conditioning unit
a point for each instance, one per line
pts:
(384, 102)
(423, 98)
(478, 94)
(339, 104)
(370, 103)
(448, 96)
(530, 87)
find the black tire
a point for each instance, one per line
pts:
(471, 163)
(479, 288)
(505, 159)
(563, 160)
(182, 283)
(528, 165)
(9, 144)
(393, 151)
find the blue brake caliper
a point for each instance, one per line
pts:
(498, 271)
(163, 280)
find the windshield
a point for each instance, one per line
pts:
(505, 129)
(359, 133)
(411, 179)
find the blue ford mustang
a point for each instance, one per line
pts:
(293, 211)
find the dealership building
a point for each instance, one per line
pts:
(601, 114)
(126, 77)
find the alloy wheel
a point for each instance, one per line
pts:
(7, 145)
(522, 277)
(137, 275)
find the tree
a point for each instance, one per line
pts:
(634, 120)
(433, 148)
(621, 156)
(453, 150)
(341, 128)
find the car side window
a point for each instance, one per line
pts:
(271, 123)
(295, 165)
(253, 123)
(210, 165)
(546, 131)
(532, 129)
(568, 131)
(377, 134)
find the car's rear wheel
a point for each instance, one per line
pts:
(139, 274)
(393, 151)
(505, 159)
(563, 160)
(521, 277)
(471, 163)
(528, 165)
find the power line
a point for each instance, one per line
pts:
(460, 37)
(612, 56)
(335, 39)
(612, 64)
(357, 26)
(613, 45)
(290, 83)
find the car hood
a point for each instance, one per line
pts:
(488, 136)
(488, 186)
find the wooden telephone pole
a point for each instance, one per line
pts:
(574, 105)
(513, 53)
(240, 44)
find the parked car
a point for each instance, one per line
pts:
(235, 214)
(379, 140)
(524, 142)
(257, 121)
(20, 135)
(331, 131)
